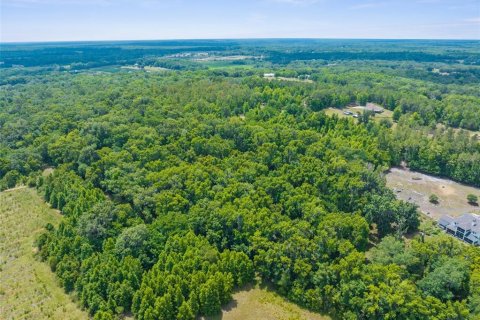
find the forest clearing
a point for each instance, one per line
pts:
(416, 187)
(259, 302)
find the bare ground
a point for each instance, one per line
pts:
(386, 114)
(417, 187)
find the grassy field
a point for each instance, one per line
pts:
(291, 79)
(254, 303)
(228, 65)
(386, 114)
(28, 289)
(417, 187)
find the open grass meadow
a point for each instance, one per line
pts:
(28, 289)
(259, 302)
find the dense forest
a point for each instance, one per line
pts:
(180, 186)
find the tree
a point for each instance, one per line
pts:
(397, 113)
(447, 281)
(472, 199)
(185, 312)
(433, 198)
(102, 315)
(209, 298)
(11, 178)
(164, 309)
(392, 251)
(96, 224)
(132, 241)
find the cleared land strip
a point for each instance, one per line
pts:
(28, 289)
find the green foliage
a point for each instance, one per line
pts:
(442, 152)
(179, 187)
(96, 224)
(11, 178)
(391, 215)
(190, 278)
(472, 199)
(448, 280)
(393, 251)
(102, 315)
(132, 241)
(433, 198)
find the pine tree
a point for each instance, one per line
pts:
(185, 312)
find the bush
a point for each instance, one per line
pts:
(11, 178)
(433, 198)
(472, 199)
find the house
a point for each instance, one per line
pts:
(269, 75)
(466, 227)
(373, 107)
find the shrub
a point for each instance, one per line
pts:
(433, 198)
(472, 199)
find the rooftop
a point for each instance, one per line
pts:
(373, 107)
(467, 221)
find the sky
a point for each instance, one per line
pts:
(72, 20)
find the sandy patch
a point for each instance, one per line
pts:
(417, 187)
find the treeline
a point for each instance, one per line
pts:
(96, 54)
(432, 103)
(455, 106)
(178, 188)
(276, 51)
(441, 152)
(406, 55)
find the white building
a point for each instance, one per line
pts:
(466, 227)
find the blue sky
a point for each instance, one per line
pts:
(63, 20)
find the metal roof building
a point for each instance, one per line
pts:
(466, 227)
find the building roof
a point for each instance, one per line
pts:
(445, 220)
(373, 107)
(467, 221)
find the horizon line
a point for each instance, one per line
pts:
(239, 38)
